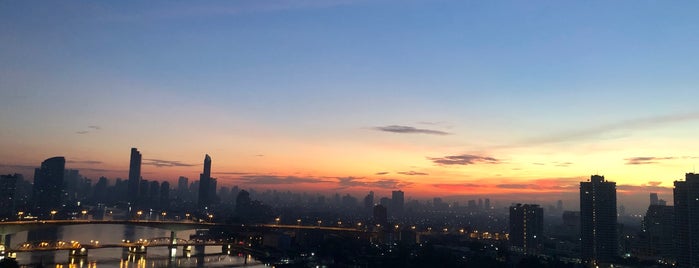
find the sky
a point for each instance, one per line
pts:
(437, 98)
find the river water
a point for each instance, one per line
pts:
(118, 257)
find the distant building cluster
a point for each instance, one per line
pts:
(598, 234)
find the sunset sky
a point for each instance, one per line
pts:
(438, 98)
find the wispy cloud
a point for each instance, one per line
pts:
(91, 128)
(14, 166)
(410, 130)
(382, 173)
(599, 131)
(86, 162)
(413, 173)
(175, 10)
(464, 159)
(232, 173)
(165, 163)
(644, 160)
(347, 182)
(277, 180)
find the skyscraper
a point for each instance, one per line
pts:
(526, 227)
(397, 203)
(48, 189)
(134, 175)
(686, 199)
(165, 195)
(657, 236)
(205, 184)
(598, 220)
(654, 199)
(183, 188)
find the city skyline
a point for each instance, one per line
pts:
(434, 99)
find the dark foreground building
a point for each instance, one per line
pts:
(686, 200)
(598, 221)
(526, 227)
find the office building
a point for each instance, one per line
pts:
(657, 235)
(48, 192)
(397, 203)
(598, 221)
(8, 187)
(165, 195)
(134, 176)
(526, 227)
(380, 215)
(686, 200)
(654, 199)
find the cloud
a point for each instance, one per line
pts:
(232, 173)
(655, 183)
(600, 131)
(625, 188)
(87, 162)
(562, 164)
(276, 180)
(346, 182)
(91, 128)
(175, 10)
(413, 173)
(382, 173)
(644, 160)
(165, 163)
(464, 159)
(410, 130)
(18, 166)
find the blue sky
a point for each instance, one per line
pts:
(324, 73)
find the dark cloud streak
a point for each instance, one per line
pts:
(464, 159)
(410, 130)
(165, 163)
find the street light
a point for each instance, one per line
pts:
(53, 213)
(298, 221)
(84, 212)
(211, 217)
(139, 213)
(19, 215)
(163, 214)
(319, 222)
(276, 220)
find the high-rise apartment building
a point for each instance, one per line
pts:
(526, 227)
(134, 175)
(598, 220)
(686, 200)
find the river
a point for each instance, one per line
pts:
(117, 257)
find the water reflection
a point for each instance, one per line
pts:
(209, 256)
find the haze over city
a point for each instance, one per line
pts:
(437, 98)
